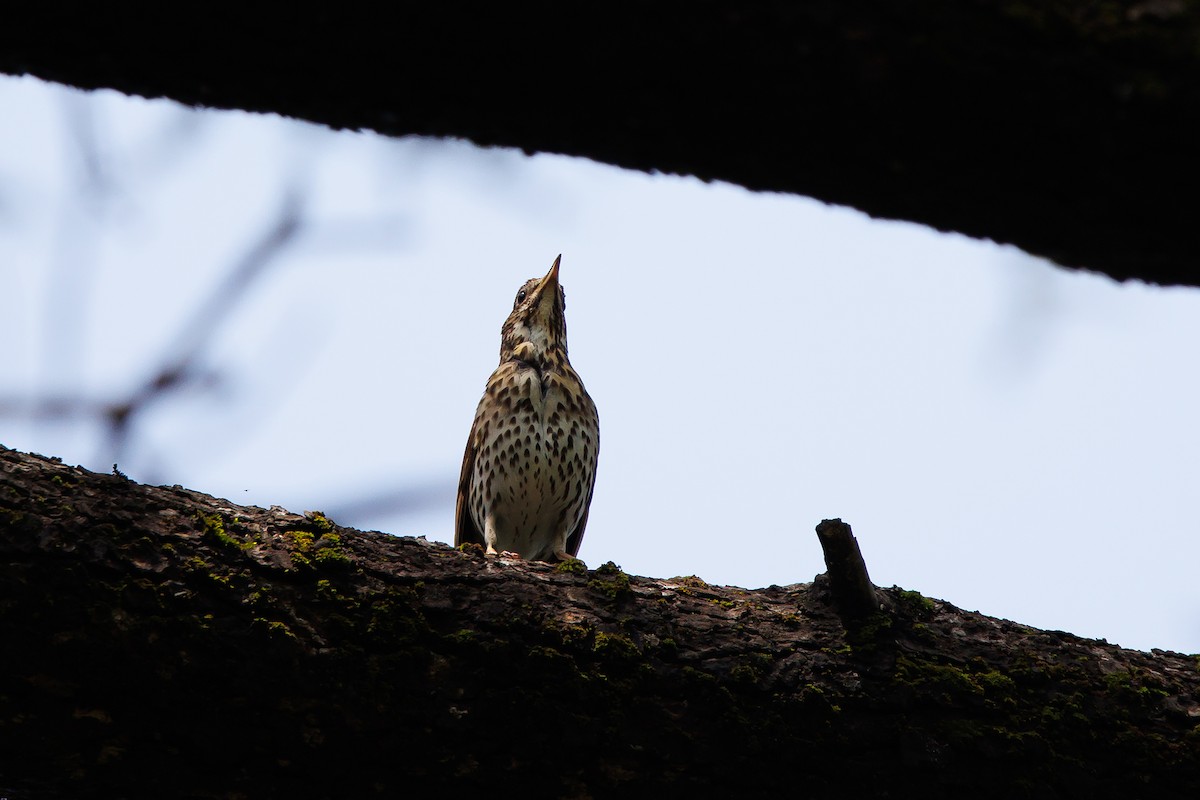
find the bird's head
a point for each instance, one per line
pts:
(536, 330)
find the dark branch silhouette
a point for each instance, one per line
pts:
(161, 642)
(1068, 129)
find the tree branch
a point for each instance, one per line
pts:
(162, 642)
(1068, 128)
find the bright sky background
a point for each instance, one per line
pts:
(1002, 434)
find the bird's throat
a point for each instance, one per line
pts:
(528, 353)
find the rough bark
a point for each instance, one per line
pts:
(1068, 128)
(161, 642)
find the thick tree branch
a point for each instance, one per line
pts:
(1067, 128)
(160, 642)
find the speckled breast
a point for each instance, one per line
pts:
(536, 458)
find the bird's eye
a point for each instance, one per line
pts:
(521, 296)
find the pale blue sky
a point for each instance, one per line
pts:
(1002, 434)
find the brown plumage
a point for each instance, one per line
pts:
(530, 463)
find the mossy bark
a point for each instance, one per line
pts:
(161, 642)
(1068, 128)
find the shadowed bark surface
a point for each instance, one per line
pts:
(161, 642)
(1068, 128)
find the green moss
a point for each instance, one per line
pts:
(312, 551)
(329, 593)
(553, 659)
(272, 628)
(332, 557)
(320, 522)
(574, 635)
(465, 636)
(943, 683)
(214, 529)
(996, 683)
(615, 646)
(610, 581)
(867, 635)
(329, 552)
(695, 676)
(745, 674)
(915, 604)
(224, 580)
(197, 564)
(751, 668)
(948, 684)
(301, 540)
(1130, 687)
(305, 550)
(17, 520)
(573, 566)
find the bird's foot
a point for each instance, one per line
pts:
(509, 554)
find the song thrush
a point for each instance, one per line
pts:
(530, 464)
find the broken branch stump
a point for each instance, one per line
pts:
(853, 592)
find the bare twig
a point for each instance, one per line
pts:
(179, 358)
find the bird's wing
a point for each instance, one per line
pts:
(575, 537)
(464, 527)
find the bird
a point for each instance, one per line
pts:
(530, 463)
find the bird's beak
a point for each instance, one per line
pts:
(552, 275)
(548, 288)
